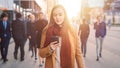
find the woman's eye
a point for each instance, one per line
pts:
(55, 15)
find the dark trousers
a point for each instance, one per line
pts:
(4, 47)
(83, 46)
(19, 43)
(33, 46)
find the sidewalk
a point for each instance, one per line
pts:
(110, 53)
(114, 28)
(12, 63)
(110, 57)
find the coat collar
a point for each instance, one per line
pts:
(3, 25)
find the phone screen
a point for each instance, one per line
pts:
(55, 38)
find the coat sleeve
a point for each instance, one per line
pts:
(95, 26)
(78, 54)
(45, 52)
(88, 32)
(28, 29)
(0, 29)
(105, 28)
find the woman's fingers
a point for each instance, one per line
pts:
(54, 45)
(55, 42)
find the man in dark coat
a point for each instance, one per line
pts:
(41, 23)
(5, 35)
(84, 31)
(18, 32)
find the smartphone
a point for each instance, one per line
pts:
(55, 38)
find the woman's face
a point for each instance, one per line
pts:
(58, 16)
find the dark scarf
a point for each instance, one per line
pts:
(65, 54)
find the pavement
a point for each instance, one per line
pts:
(111, 52)
(110, 55)
(12, 63)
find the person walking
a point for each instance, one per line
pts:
(100, 33)
(69, 50)
(41, 24)
(32, 35)
(19, 37)
(109, 23)
(5, 35)
(84, 31)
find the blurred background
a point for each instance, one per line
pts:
(76, 9)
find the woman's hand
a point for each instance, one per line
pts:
(54, 45)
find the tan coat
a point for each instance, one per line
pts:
(51, 57)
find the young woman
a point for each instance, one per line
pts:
(69, 50)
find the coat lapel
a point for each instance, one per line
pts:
(1, 22)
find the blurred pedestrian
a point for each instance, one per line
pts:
(109, 23)
(5, 35)
(32, 35)
(84, 31)
(75, 24)
(41, 24)
(18, 32)
(28, 21)
(100, 32)
(59, 27)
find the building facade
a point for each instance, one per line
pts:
(50, 4)
(22, 6)
(112, 11)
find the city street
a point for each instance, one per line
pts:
(111, 51)
(110, 55)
